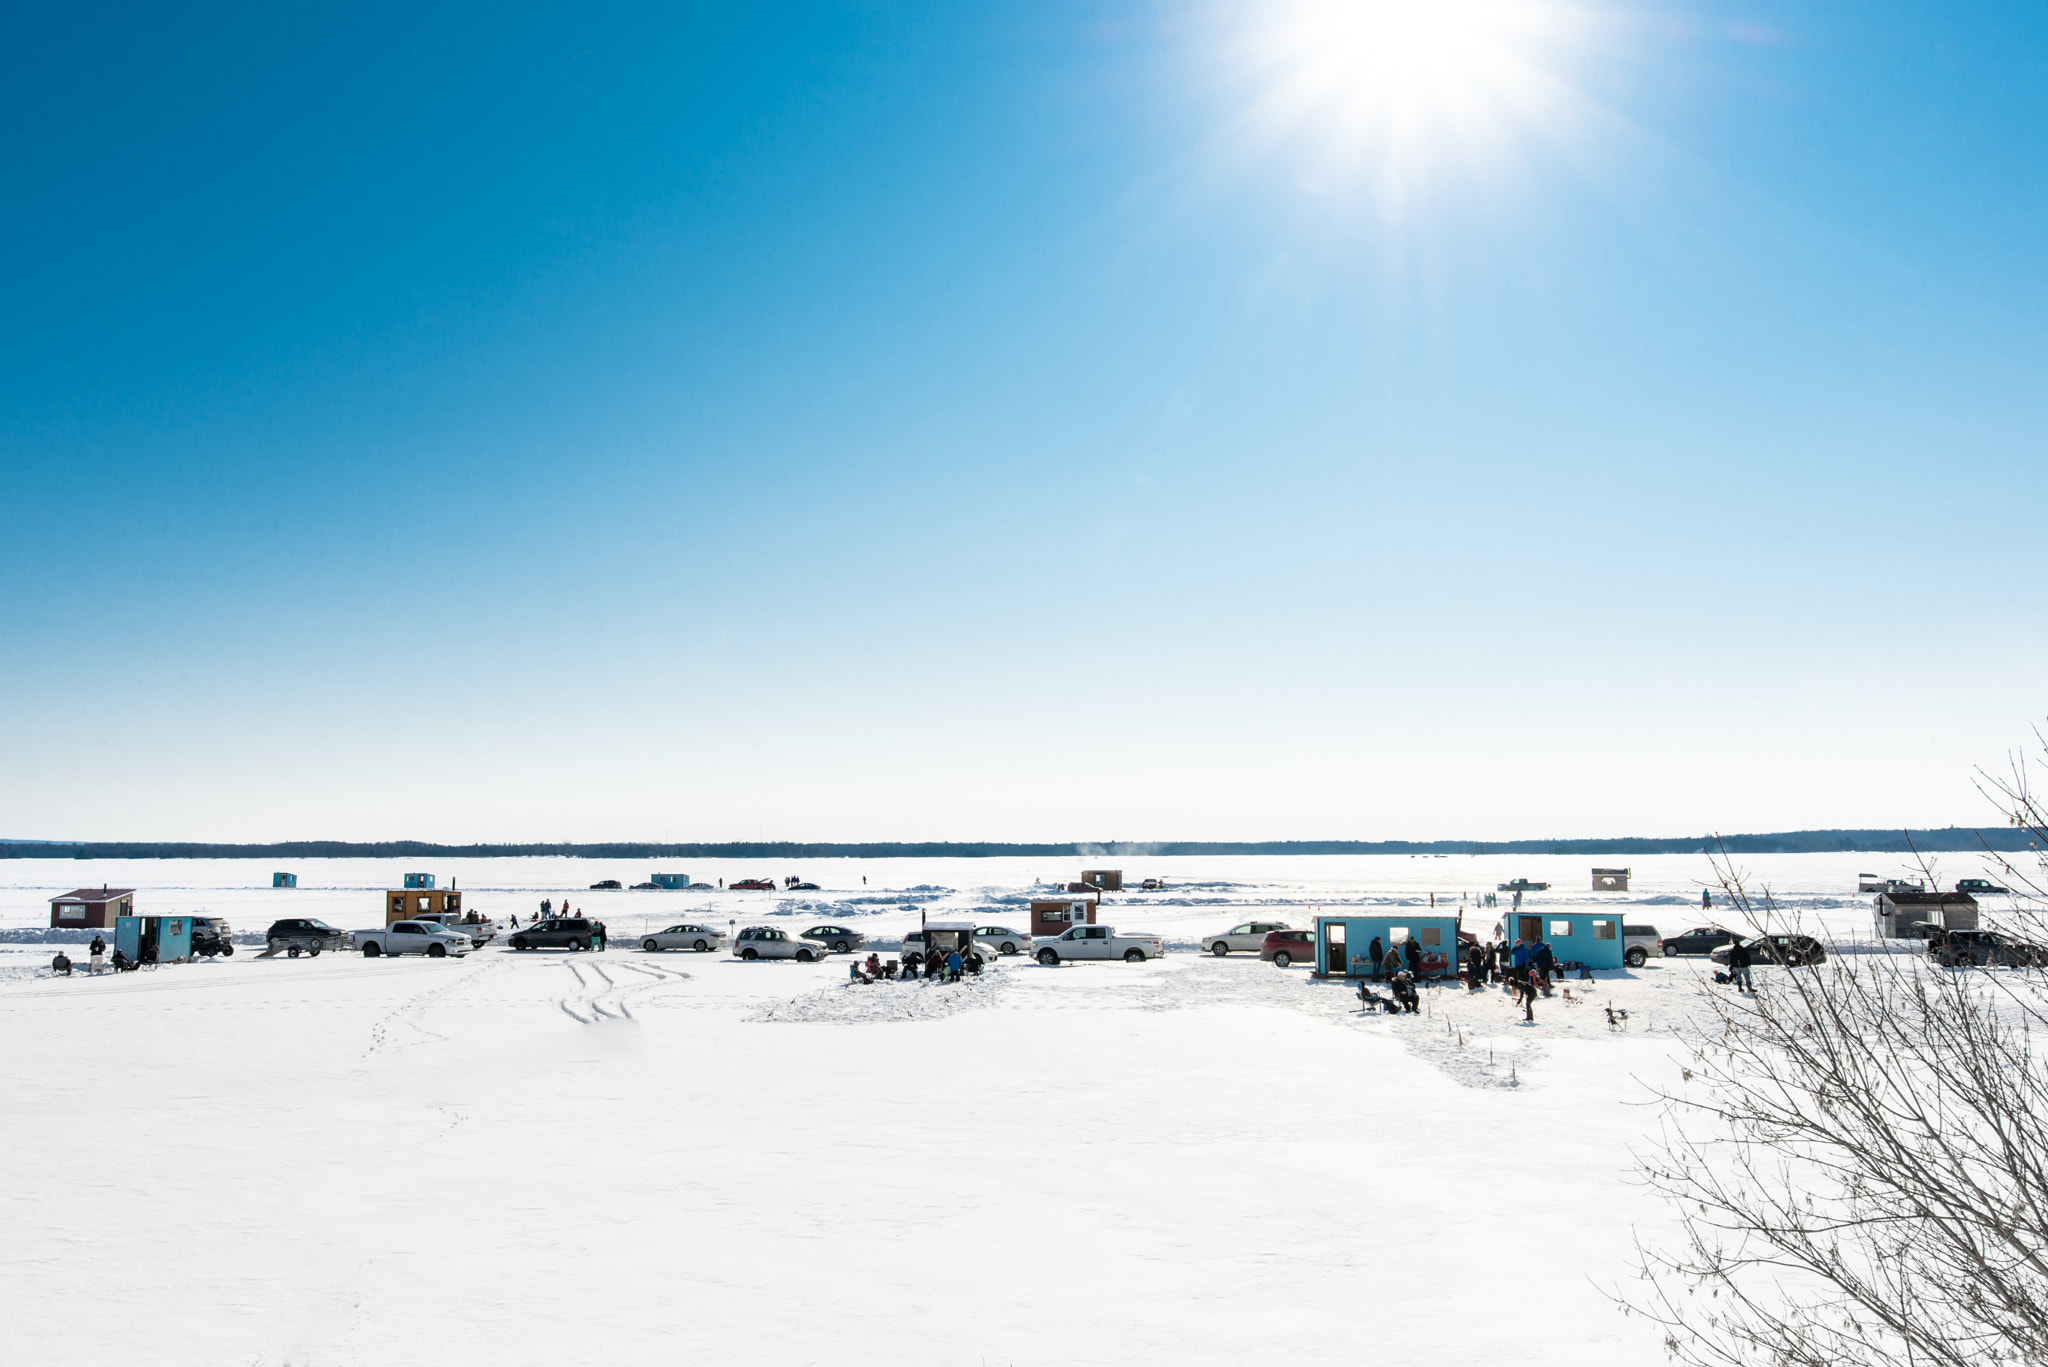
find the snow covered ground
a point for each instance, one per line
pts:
(621, 1158)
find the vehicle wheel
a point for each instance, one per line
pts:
(370, 950)
(1219, 949)
(1282, 959)
(700, 946)
(1636, 957)
(1964, 960)
(312, 953)
(841, 947)
(518, 942)
(750, 953)
(227, 951)
(437, 951)
(1008, 948)
(292, 953)
(1134, 956)
(1049, 957)
(803, 956)
(651, 946)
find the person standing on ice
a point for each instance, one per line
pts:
(99, 954)
(1392, 963)
(1377, 951)
(952, 965)
(1738, 965)
(1413, 950)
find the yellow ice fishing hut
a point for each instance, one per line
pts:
(410, 902)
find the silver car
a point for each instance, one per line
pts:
(842, 939)
(766, 942)
(703, 939)
(1006, 940)
(1249, 937)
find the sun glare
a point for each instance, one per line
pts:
(1390, 88)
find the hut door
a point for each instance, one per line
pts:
(1529, 928)
(1333, 948)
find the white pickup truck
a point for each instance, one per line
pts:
(480, 933)
(1101, 942)
(413, 937)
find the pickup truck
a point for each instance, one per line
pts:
(1101, 942)
(480, 933)
(413, 937)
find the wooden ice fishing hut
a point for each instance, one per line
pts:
(1591, 938)
(1610, 880)
(1344, 944)
(1052, 916)
(91, 908)
(405, 904)
(1107, 880)
(1903, 914)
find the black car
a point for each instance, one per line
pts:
(302, 935)
(563, 932)
(1791, 950)
(608, 885)
(1975, 948)
(1698, 940)
(1978, 887)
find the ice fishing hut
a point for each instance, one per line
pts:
(403, 906)
(1344, 943)
(1591, 938)
(162, 939)
(1904, 914)
(1052, 916)
(1610, 880)
(670, 880)
(419, 880)
(284, 880)
(91, 908)
(1108, 880)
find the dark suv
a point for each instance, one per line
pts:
(302, 935)
(1698, 940)
(1979, 887)
(1793, 951)
(563, 932)
(1971, 948)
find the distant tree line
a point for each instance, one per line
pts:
(1947, 839)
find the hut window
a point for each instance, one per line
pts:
(423, 903)
(1432, 936)
(1396, 934)
(1560, 930)
(1603, 930)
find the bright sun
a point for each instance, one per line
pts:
(1388, 87)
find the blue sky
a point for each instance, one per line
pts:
(1040, 421)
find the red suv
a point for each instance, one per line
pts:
(1283, 947)
(751, 885)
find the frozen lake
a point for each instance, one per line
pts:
(547, 1158)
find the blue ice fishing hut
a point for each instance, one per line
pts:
(166, 939)
(284, 880)
(1344, 943)
(670, 880)
(1592, 938)
(419, 880)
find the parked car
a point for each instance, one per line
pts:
(561, 932)
(766, 942)
(1101, 942)
(480, 932)
(1982, 948)
(412, 937)
(1793, 951)
(1152, 885)
(947, 935)
(1249, 937)
(211, 935)
(608, 885)
(804, 887)
(841, 939)
(1283, 947)
(1006, 940)
(1638, 943)
(751, 885)
(303, 935)
(703, 939)
(1698, 940)
(647, 887)
(1978, 887)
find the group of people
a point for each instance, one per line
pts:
(933, 966)
(97, 959)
